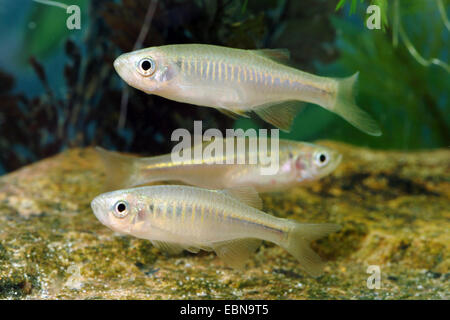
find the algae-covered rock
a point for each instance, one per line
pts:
(394, 209)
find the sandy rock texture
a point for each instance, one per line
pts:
(394, 209)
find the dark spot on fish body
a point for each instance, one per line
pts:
(170, 209)
(276, 81)
(235, 72)
(222, 71)
(192, 68)
(229, 70)
(204, 73)
(253, 77)
(159, 209)
(216, 71)
(210, 70)
(179, 210)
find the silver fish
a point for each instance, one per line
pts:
(229, 222)
(299, 163)
(237, 81)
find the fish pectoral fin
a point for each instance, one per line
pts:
(278, 55)
(245, 194)
(235, 252)
(279, 114)
(233, 113)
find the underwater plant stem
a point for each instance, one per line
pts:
(123, 107)
(137, 45)
(53, 3)
(412, 50)
(146, 26)
(444, 17)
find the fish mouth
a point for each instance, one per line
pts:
(118, 65)
(96, 206)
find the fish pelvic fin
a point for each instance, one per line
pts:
(346, 107)
(298, 243)
(235, 252)
(279, 114)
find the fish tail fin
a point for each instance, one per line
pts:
(298, 242)
(346, 107)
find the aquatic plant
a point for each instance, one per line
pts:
(408, 96)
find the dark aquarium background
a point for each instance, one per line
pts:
(58, 88)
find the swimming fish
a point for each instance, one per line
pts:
(237, 81)
(228, 222)
(298, 164)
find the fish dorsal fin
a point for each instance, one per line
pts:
(235, 252)
(247, 195)
(279, 55)
(280, 114)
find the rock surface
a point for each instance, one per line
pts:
(394, 209)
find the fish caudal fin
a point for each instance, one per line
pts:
(120, 169)
(298, 245)
(346, 107)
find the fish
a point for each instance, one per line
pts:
(298, 164)
(229, 222)
(237, 81)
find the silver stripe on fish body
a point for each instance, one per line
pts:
(299, 164)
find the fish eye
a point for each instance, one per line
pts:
(121, 209)
(146, 67)
(321, 158)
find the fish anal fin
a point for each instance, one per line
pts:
(235, 252)
(169, 247)
(279, 114)
(245, 194)
(177, 248)
(233, 113)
